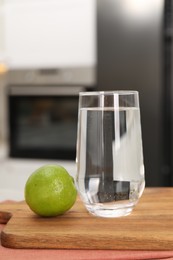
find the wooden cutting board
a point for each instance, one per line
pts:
(149, 227)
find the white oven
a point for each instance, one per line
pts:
(43, 113)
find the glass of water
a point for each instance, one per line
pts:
(110, 170)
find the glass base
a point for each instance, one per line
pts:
(109, 212)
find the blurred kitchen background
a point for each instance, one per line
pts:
(50, 50)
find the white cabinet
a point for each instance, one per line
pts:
(50, 33)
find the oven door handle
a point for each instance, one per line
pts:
(45, 90)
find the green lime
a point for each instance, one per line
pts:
(50, 191)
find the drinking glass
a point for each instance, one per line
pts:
(110, 170)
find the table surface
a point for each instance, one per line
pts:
(15, 172)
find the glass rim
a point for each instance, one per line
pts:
(111, 92)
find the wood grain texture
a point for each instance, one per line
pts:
(149, 227)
